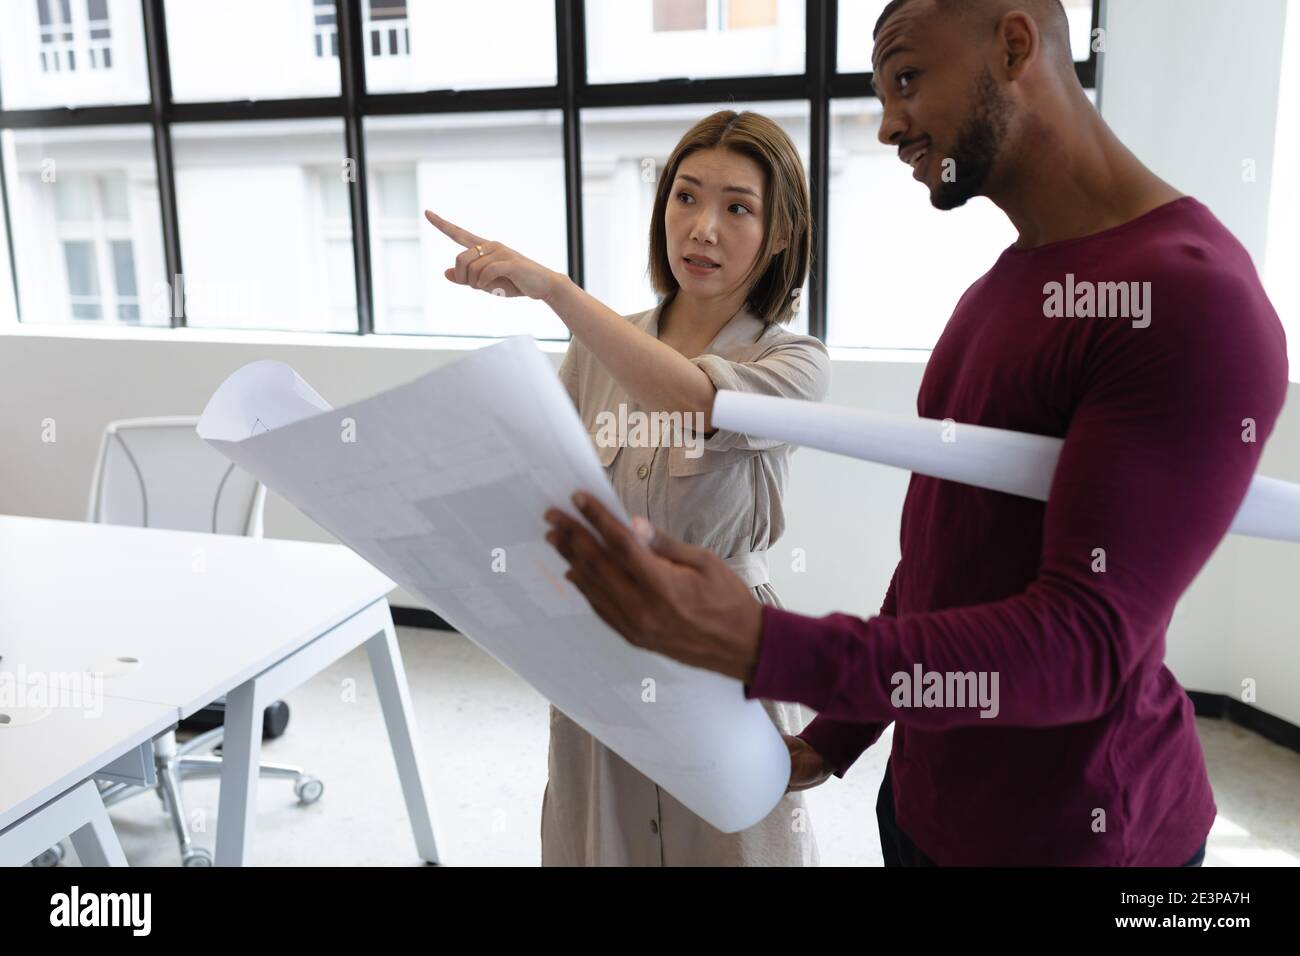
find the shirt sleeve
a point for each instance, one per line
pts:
(1153, 469)
(799, 367)
(839, 743)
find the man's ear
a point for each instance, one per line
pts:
(1021, 43)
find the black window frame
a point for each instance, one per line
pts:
(819, 84)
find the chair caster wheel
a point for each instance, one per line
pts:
(197, 856)
(308, 789)
(51, 857)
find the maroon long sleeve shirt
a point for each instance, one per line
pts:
(1092, 757)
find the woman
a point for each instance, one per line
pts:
(730, 241)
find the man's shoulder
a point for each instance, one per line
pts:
(1184, 241)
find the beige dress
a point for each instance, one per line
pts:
(598, 810)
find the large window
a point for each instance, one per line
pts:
(247, 49)
(56, 53)
(500, 175)
(84, 202)
(422, 45)
(631, 40)
(897, 266)
(261, 238)
(281, 180)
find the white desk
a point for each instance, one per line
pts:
(204, 616)
(46, 760)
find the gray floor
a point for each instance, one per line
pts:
(484, 734)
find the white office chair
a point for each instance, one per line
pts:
(157, 473)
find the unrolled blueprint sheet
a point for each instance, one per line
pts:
(995, 458)
(441, 484)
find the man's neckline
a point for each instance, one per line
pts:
(1162, 209)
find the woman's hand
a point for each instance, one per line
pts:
(807, 768)
(498, 269)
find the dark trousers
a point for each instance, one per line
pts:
(899, 850)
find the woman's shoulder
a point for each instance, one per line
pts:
(804, 356)
(777, 340)
(780, 335)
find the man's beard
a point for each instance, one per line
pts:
(978, 143)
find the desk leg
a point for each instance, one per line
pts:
(395, 700)
(241, 752)
(95, 842)
(79, 812)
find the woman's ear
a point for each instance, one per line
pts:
(779, 247)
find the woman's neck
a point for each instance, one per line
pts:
(688, 324)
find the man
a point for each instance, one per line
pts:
(1125, 319)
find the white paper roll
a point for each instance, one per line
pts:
(1016, 463)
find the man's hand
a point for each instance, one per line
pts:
(807, 768)
(660, 594)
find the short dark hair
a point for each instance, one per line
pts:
(886, 13)
(773, 280)
(1050, 16)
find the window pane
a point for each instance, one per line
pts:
(747, 14)
(61, 54)
(128, 303)
(76, 194)
(334, 193)
(625, 149)
(1079, 13)
(83, 280)
(83, 275)
(680, 15)
(342, 281)
(387, 9)
(857, 20)
(499, 175)
(629, 40)
(74, 198)
(398, 276)
(276, 44)
(123, 268)
(463, 46)
(897, 265)
(397, 192)
(254, 224)
(114, 195)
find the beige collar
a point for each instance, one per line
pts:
(743, 328)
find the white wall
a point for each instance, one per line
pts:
(1191, 86)
(844, 514)
(1283, 224)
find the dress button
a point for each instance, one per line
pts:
(643, 471)
(654, 826)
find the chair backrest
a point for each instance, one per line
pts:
(158, 473)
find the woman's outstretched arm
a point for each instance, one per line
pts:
(656, 375)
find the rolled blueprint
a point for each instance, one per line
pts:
(1016, 463)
